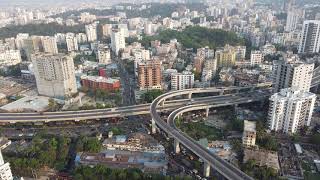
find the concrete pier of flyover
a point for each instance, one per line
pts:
(206, 165)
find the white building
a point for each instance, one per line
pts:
(310, 37)
(292, 73)
(104, 56)
(82, 38)
(49, 45)
(72, 42)
(209, 70)
(10, 57)
(256, 58)
(106, 30)
(181, 81)
(91, 32)
(290, 110)
(55, 76)
(118, 41)
(292, 20)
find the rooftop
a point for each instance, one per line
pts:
(99, 79)
(29, 103)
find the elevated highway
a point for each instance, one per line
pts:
(229, 171)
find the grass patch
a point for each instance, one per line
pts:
(198, 130)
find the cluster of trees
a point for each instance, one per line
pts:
(79, 59)
(100, 94)
(39, 29)
(116, 131)
(88, 144)
(264, 139)
(197, 37)
(257, 172)
(103, 172)
(156, 9)
(198, 130)
(52, 152)
(150, 95)
(14, 70)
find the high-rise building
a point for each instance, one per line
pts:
(118, 41)
(292, 20)
(184, 80)
(37, 43)
(106, 30)
(149, 75)
(290, 110)
(226, 57)
(256, 58)
(249, 133)
(292, 73)
(310, 37)
(198, 63)
(104, 56)
(5, 171)
(91, 31)
(72, 42)
(49, 45)
(55, 76)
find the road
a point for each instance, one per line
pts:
(127, 83)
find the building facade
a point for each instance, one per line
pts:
(310, 37)
(55, 76)
(256, 58)
(249, 133)
(118, 40)
(292, 73)
(290, 110)
(98, 82)
(181, 81)
(91, 32)
(49, 44)
(149, 75)
(104, 55)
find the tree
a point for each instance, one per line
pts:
(315, 139)
(150, 95)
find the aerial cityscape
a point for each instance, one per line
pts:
(159, 89)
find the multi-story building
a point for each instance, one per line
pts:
(249, 133)
(104, 56)
(98, 82)
(49, 45)
(118, 41)
(184, 80)
(91, 32)
(10, 57)
(106, 30)
(292, 20)
(209, 70)
(198, 63)
(290, 110)
(149, 75)
(72, 42)
(292, 73)
(82, 38)
(310, 37)
(55, 76)
(256, 58)
(226, 57)
(5, 171)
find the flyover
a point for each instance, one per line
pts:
(101, 113)
(210, 160)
